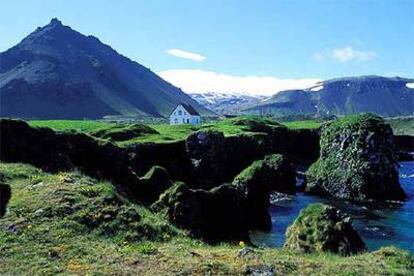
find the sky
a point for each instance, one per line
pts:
(253, 47)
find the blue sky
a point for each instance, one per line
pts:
(237, 45)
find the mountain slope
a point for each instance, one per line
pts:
(58, 73)
(226, 103)
(343, 96)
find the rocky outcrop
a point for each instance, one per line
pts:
(322, 228)
(216, 159)
(301, 145)
(53, 151)
(357, 161)
(273, 173)
(5, 195)
(214, 215)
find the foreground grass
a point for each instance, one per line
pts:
(42, 234)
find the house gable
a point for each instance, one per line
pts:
(184, 114)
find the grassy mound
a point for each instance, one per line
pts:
(252, 123)
(65, 223)
(123, 132)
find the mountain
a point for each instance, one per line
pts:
(384, 96)
(58, 73)
(226, 103)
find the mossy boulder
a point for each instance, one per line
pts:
(322, 228)
(5, 194)
(213, 215)
(357, 161)
(273, 173)
(122, 132)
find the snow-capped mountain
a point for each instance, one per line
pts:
(226, 103)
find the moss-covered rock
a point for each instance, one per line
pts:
(214, 215)
(357, 161)
(273, 173)
(320, 228)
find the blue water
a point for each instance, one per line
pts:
(378, 224)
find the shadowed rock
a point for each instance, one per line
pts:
(273, 173)
(214, 215)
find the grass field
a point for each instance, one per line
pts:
(71, 224)
(166, 133)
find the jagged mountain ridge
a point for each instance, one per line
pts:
(58, 73)
(343, 96)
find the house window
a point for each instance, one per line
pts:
(180, 112)
(175, 121)
(188, 121)
(183, 121)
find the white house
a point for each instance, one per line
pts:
(184, 114)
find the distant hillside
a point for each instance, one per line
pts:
(226, 103)
(58, 73)
(384, 96)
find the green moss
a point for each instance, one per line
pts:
(271, 161)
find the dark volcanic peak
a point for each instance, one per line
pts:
(342, 96)
(59, 73)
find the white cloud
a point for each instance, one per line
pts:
(185, 54)
(345, 54)
(348, 54)
(200, 81)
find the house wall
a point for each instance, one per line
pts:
(180, 116)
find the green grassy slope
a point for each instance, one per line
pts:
(72, 224)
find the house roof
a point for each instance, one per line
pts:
(189, 109)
